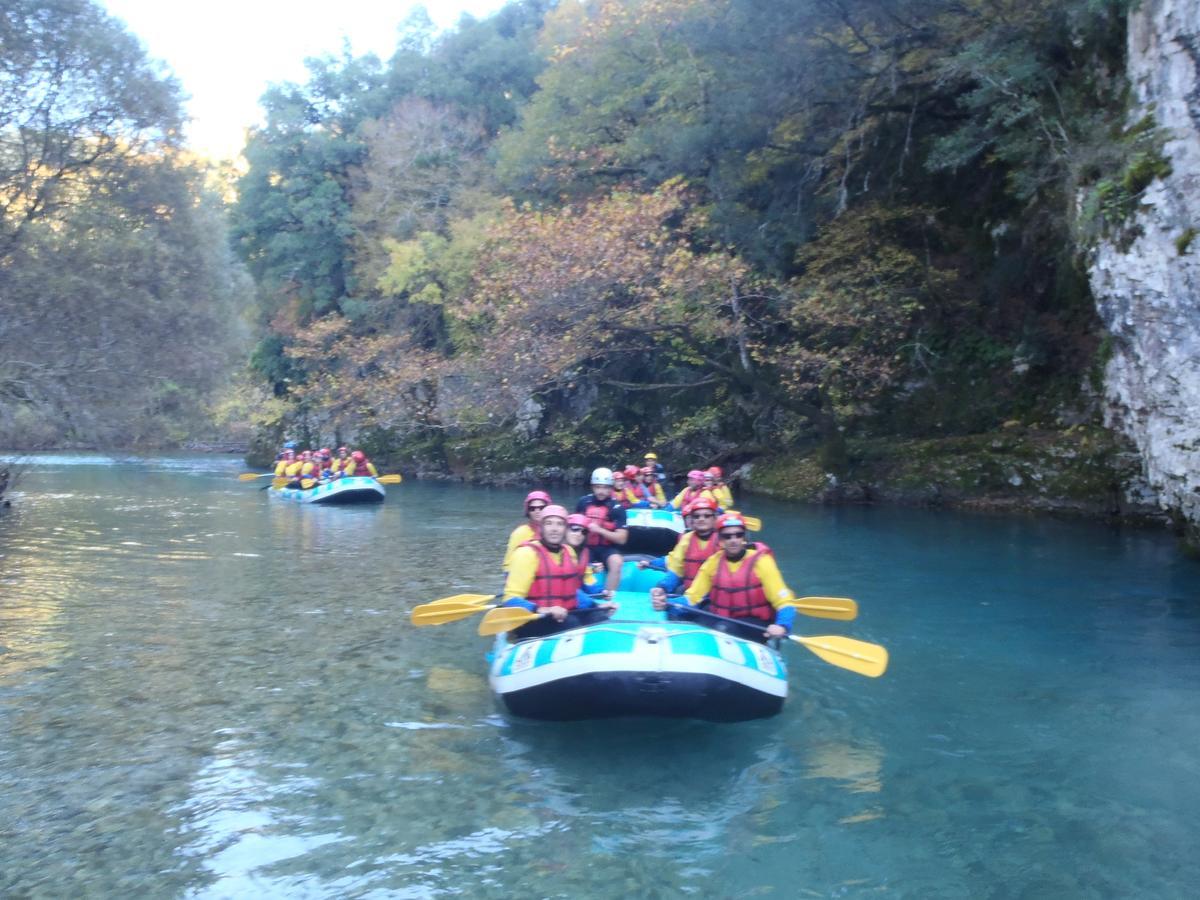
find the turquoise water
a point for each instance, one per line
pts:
(207, 694)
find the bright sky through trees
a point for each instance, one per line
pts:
(226, 52)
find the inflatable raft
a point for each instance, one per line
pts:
(355, 489)
(652, 531)
(638, 663)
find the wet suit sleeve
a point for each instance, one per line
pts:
(522, 568)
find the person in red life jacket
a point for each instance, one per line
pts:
(648, 493)
(714, 480)
(742, 583)
(694, 491)
(691, 550)
(322, 461)
(619, 493)
(545, 577)
(535, 503)
(359, 465)
(339, 461)
(289, 457)
(577, 535)
(607, 531)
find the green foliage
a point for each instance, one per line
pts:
(1184, 242)
(714, 222)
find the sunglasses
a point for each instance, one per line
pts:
(535, 508)
(740, 535)
(702, 515)
(574, 528)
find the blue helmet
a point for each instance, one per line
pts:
(289, 445)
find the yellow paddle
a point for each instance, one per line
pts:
(463, 599)
(506, 618)
(251, 476)
(857, 656)
(440, 614)
(846, 653)
(841, 608)
(390, 479)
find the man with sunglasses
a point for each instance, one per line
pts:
(691, 550)
(741, 583)
(546, 577)
(535, 503)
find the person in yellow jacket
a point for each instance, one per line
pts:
(529, 530)
(546, 577)
(741, 583)
(649, 492)
(714, 480)
(289, 457)
(359, 465)
(339, 461)
(691, 550)
(694, 491)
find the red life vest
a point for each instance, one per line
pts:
(740, 595)
(556, 581)
(599, 513)
(585, 559)
(690, 494)
(694, 555)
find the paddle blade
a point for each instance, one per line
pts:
(390, 479)
(841, 608)
(431, 614)
(857, 656)
(253, 476)
(308, 483)
(280, 482)
(753, 523)
(506, 618)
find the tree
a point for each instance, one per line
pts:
(78, 102)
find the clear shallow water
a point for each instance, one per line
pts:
(207, 694)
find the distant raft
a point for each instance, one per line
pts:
(638, 664)
(354, 489)
(652, 531)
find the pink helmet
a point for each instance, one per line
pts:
(578, 519)
(358, 456)
(697, 474)
(715, 471)
(554, 511)
(537, 495)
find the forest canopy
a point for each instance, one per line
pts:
(724, 223)
(121, 303)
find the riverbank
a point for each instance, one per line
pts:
(1083, 470)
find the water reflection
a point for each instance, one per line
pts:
(217, 695)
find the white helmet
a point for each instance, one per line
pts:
(602, 476)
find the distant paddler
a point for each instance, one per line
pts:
(359, 465)
(694, 491)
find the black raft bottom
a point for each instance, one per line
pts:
(661, 694)
(347, 499)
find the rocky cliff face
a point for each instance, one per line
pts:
(1148, 294)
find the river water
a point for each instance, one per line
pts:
(206, 693)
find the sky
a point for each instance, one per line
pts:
(226, 52)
